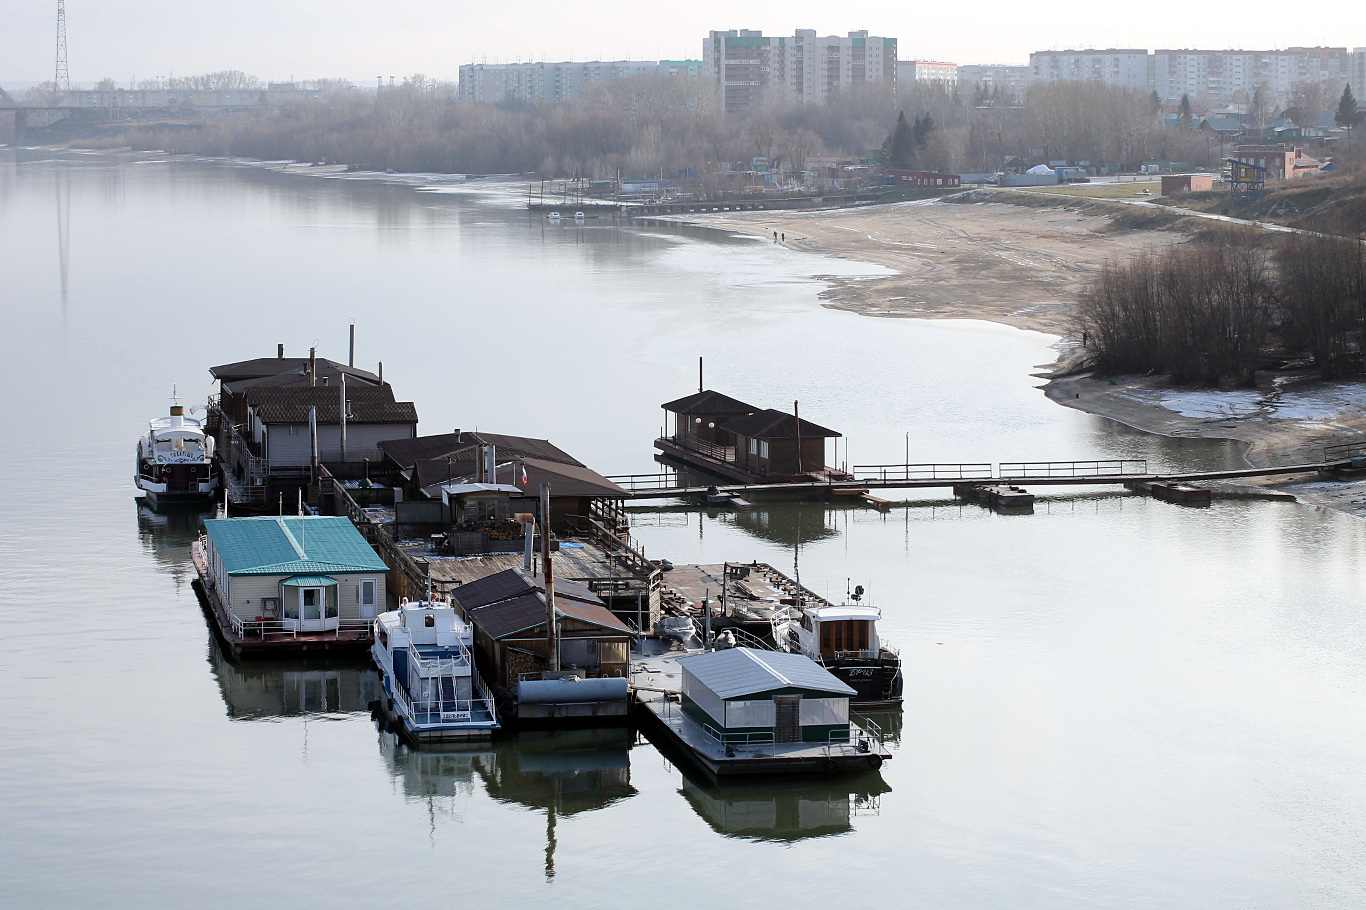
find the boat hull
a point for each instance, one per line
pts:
(877, 681)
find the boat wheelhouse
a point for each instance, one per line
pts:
(175, 460)
(844, 639)
(432, 692)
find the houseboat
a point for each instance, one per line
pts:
(277, 586)
(432, 693)
(844, 639)
(175, 460)
(742, 712)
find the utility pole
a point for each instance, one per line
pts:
(63, 77)
(552, 630)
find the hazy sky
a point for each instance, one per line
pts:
(139, 39)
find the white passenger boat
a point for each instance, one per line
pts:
(844, 639)
(432, 692)
(175, 460)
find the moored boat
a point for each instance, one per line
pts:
(432, 692)
(175, 460)
(844, 639)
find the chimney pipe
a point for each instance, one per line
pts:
(351, 361)
(280, 351)
(381, 372)
(493, 464)
(699, 374)
(312, 367)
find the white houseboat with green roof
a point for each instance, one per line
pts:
(276, 585)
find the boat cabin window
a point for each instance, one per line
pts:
(844, 635)
(806, 621)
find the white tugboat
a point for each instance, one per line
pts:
(844, 639)
(175, 460)
(432, 692)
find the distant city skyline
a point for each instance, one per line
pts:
(140, 39)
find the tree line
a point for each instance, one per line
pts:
(1211, 312)
(661, 125)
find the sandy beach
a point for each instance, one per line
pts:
(1023, 266)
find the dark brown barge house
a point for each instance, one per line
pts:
(742, 443)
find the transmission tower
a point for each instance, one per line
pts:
(63, 77)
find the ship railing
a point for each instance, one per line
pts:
(448, 710)
(871, 731)
(858, 654)
(439, 666)
(262, 628)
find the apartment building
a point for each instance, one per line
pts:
(1358, 81)
(555, 83)
(805, 67)
(1010, 79)
(926, 71)
(1211, 77)
(1121, 68)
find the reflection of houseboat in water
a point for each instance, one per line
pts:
(564, 773)
(785, 812)
(269, 691)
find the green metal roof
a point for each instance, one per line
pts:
(309, 581)
(303, 545)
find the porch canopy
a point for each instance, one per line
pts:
(309, 581)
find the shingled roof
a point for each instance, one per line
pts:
(709, 402)
(252, 372)
(409, 452)
(511, 602)
(564, 479)
(369, 404)
(771, 424)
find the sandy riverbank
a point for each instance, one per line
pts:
(1013, 264)
(1023, 266)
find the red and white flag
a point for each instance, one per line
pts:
(523, 475)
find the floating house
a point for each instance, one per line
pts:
(508, 613)
(743, 712)
(740, 442)
(278, 585)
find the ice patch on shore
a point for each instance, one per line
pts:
(1206, 404)
(1323, 402)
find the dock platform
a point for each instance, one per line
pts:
(748, 595)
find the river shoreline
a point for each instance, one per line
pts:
(1021, 266)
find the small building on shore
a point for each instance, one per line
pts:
(1186, 183)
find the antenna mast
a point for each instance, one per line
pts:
(63, 78)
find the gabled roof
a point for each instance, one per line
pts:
(511, 583)
(771, 424)
(6, 100)
(408, 452)
(737, 672)
(564, 479)
(708, 402)
(303, 545)
(262, 368)
(510, 602)
(369, 404)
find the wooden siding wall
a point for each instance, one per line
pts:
(249, 592)
(362, 441)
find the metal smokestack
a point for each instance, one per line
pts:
(351, 361)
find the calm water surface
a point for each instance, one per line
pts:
(1112, 702)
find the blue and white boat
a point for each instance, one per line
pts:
(432, 692)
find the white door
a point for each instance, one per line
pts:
(311, 601)
(367, 599)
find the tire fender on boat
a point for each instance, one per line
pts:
(875, 761)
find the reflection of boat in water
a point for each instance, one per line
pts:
(563, 772)
(270, 691)
(167, 533)
(785, 811)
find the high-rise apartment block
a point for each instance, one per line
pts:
(747, 66)
(1009, 80)
(926, 71)
(555, 83)
(1207, 77)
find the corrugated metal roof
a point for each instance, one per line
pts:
(738, 672)
(309, 581)
(302, 545)
(520, 614)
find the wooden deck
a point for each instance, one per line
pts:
(753, 592)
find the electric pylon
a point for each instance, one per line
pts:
(63, 78)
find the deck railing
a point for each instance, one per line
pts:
(886, 472)
(702, 447)
(1043, 469)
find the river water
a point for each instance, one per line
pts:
(1111, 702)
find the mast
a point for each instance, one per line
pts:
(552, 632)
